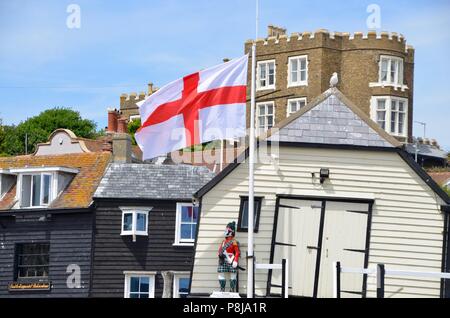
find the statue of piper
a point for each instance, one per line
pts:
(228, 258)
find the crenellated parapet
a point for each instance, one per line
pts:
(333, 40)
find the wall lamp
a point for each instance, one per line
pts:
(324, 174)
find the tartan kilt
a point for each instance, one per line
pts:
(224, 267)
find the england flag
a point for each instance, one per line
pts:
(200, 107)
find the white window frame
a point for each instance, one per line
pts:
(178, 241)
(51, 194)
(134, 211)
(299, 82)
(398, 81)
(258, 82)
(288, 106)
(388, 109)
(127, 284)
(176, 278)
(262, 130)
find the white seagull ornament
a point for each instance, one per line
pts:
(334, 80)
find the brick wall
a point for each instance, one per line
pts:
(355, 58)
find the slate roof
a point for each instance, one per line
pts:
(150, 181)
(427, 150)
(78, 193)
(331, 119)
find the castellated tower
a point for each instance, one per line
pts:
(128, 107)
(376, 72)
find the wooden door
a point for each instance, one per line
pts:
(344, 240)
(297, 239)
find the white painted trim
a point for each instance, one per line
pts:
(299, 82)
(395, 86)
(288, 112)
(143, 273)
(389, 98)
(129, 274)
(183, 244)
(267, 87)
(178, 241)
(43, 169)
(6, 171)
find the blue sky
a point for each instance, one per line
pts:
(123, 45)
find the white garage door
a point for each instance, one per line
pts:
(312, 234)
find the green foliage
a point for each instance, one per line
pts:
(133, 126)
(447, 189)
(39, 128)
(2, 138)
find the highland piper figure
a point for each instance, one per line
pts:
(228, 258)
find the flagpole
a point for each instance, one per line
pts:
(251, 193)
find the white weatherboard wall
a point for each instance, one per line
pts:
(407, 225)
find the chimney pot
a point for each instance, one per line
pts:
(150, 88)
(112, 120)
(122, 125)
(275, 31)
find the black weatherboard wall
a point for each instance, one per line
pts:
(114, 254)
(69, 235)
(159, 187)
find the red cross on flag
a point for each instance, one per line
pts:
(204, 106)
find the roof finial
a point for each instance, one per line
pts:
(334, 80)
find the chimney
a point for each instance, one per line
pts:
(122, 125)
(121, 145)
(150, 88)
(273, 30)
(112, 120)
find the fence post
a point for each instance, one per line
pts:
(254, 269)
(283, 278)
(380, 280)
(337, 279)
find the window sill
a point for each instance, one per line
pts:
(182, 244)
(397, 135)
(265, 88)
(301, 84)
(133, 234)
(395, 86)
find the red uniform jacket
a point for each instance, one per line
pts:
(232, 249)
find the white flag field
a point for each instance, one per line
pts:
(201, 107)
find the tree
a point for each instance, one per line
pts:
(2, 138)
(37, 129)
(132, 127)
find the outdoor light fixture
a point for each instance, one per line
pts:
(324, 174)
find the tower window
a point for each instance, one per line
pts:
(265, 75)
(391, 70)
(391, 114)
(298, 71)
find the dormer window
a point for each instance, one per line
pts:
(38, 186)
(36, 190)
